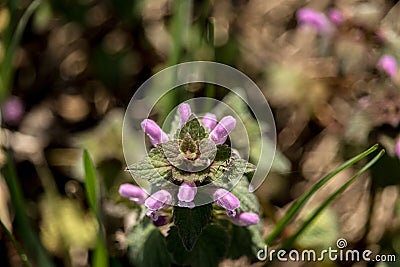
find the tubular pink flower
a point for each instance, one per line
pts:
(226, 200)
(154, 132)
(158, 200)
(335, 16)
(187, 192)
(184, 112)
(397, 149)
(220, 133)
(209, 121)
(132, 192)
(388, 64)
(245, 219)
(317, 20)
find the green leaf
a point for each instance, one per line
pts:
(91, 186)
(146, 246)
(191, 222)
(248, 200)
(100, 257)
(210, 248)
(194, 129)
(223, 153)
(245, 241)
(155, 168)
(29, 238)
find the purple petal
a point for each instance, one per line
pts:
(187, 192)
(389, 65)
(184, 204)
(184, 112)
(397, 149)
(158, 200)
(132, 192)
(209, 121)
(220, 133)
(154, 132)
(335, 16)
(226, 200)
(315, 19)
(245, 219)
(12, 110)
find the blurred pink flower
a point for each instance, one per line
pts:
(12, 110)
(335, 16)
(315, 19)
(388, 64)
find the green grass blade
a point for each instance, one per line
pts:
(100, 257)
(11, 46)
(28, 236)
(299, 204)
(91, 185)
(22, 255)
(315, 214)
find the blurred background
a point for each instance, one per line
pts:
(69, 68)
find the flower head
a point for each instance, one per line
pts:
(184, 112)
(132, 192)
(220, 133)
(245, 219)
(315, 19)
(154, 132)
(388, 64)
(226, 200)
(209, 121)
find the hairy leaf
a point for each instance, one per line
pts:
(191, 222)
(210, 248)
(146, 246)
(155, 168)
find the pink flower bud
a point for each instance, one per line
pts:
(245, 219)
(209, 121)
(315, 19)
(187, 192)
(154, 132)
(226, 200)
(184, 112)
(388, 64)
(220, 133)
(132, 192)
(158, 200)
(397, 149)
